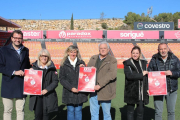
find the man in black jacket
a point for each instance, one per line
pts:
(168, 62)
(14, 58)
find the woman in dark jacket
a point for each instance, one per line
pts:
(47, 102)
(136, 84)
(68, 76)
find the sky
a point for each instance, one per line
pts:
(82, 9)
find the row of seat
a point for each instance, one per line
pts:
(122, 51)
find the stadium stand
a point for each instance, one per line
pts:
(3, 37)
(175, 48)
(121, 51)
(87, 50)
(148, 49)
(34, 48)
(57, 50)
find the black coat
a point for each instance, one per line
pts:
(50, 100)
(174, 67)
(69, 78)
(132, 83)
(10, 60)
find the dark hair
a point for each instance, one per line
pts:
(18, 32)
(136, 47)
(162, 44)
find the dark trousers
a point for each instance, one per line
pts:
(140, 111)
(40, 113)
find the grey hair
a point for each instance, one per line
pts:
(46, 52)
(104, 43)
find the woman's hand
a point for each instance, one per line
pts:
(81, 65)
(148, 92)
(43, 92)
(74, 90)
(145, 72)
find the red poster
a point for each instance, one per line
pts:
(33, 82)
(87, 79)
(157, 83)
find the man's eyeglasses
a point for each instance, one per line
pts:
(17, 38)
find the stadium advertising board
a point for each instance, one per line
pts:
(153, 25)
(73, 34)
(175, 34)
(127, 34)
(34, 34)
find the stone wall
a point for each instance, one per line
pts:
(81, 24)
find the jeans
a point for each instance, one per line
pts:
(170, 102)
(140, 111)
(74, 112)
(95, 105)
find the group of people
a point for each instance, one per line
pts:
(14, 58)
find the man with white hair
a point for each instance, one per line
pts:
(105, 88)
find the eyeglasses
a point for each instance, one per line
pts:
(17, 38)
(43, 56)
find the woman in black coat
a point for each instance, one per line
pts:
(47, 102)
(68, 76)
(136, 84)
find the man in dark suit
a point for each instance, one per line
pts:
(14, 58)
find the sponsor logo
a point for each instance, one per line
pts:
(31, 33)
(132, 35)
(64, 34)
(157, 26)
(140, 26)
(177, 35)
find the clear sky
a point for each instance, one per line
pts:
(82, 9)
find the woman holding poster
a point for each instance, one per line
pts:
(68, 76)
(47, 102)
(136, 84)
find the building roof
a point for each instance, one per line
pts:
(7, 23)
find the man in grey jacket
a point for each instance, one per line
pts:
(168, 62)
(106, 72)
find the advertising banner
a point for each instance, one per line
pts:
(73, 34)
(127, 34)
(153, 25)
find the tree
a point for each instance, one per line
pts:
(102, 16)
(104, 25)
(72, 23)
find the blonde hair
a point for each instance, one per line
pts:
(46, 52)
(70, 48)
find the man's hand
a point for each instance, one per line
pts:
(43, 92)
(97, 87)
(74, 90)
(168, 72)
(19, 72)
